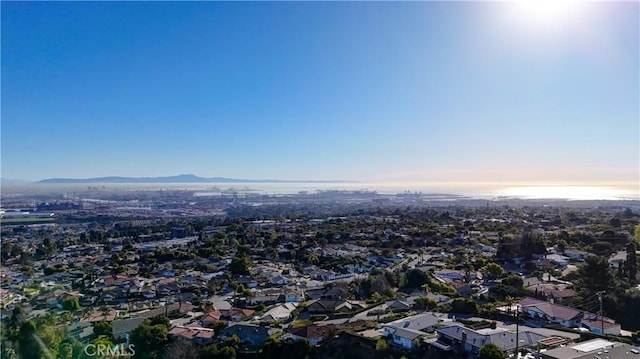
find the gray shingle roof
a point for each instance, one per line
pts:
(500, 337)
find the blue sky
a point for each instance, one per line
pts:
(370, 91)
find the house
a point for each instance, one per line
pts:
(167, 287)
(543, 264)
(459, 338)
(438, 298)
(323, 275)
(452, 275)
(616, 259)
(192, 334)
(261, 298)
(122, 328)
(576, 255)
(231, 314)
(555, 293)
(292, 295)
(148, 292)
(314, 333)
(425, 322)
(462, 288)
(100, 316)
(247, 281)
(278, 279)
(335, 306)
(595, 348)
(252, 335)
(407, 338)
(562, 296)
(164, 310)
(80, 330)
(192, 281)
(554, 313)
(401, 304)
(337, 291)
(279, 312)
(597, 324)
(558, 260)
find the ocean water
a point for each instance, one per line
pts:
(474, 190)
(483, 190)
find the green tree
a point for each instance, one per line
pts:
(71, 303)
(27, 269)
(531, 244)
(465, 306)
(312, 257)
(562, 245)
(65, 351)
(8, 353)
(210, 351)
(491, 351)
(601, 248)
(66, 317)
(239, 265)
(507, 248)
(28, 347)
(631, 265)
(50, 335)
(274, 348)
(593, 275)
(425, 303)
(637, 234)
(502, 291)
(514, 281)
(228, 353)
(102, 328)
(149, 339)
(382, 345)
(416, 278)
(26, 330)
(615, 222)
(493, 270)
(160, 319)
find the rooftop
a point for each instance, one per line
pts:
(596, 348)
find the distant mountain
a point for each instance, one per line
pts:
(184, 178)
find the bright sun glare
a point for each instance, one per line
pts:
(567, 192)
(545, 13)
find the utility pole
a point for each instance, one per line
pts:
(517, 331)
(599, 294)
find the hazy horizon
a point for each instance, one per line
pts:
(380, 92)
(480, 190)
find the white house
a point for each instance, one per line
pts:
(279, 312)
(559, 314)
(407, 338)
(595, 325)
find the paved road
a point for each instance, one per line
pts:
(365, 315)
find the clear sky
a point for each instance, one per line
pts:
(369, 91)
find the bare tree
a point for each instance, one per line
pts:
(179, 350)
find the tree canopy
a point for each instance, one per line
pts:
(492, 270)
(491, 351)
(239, 265)
(594, 275)
(149, 338)
(514, 281)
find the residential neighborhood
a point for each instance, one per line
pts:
(430, 280)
